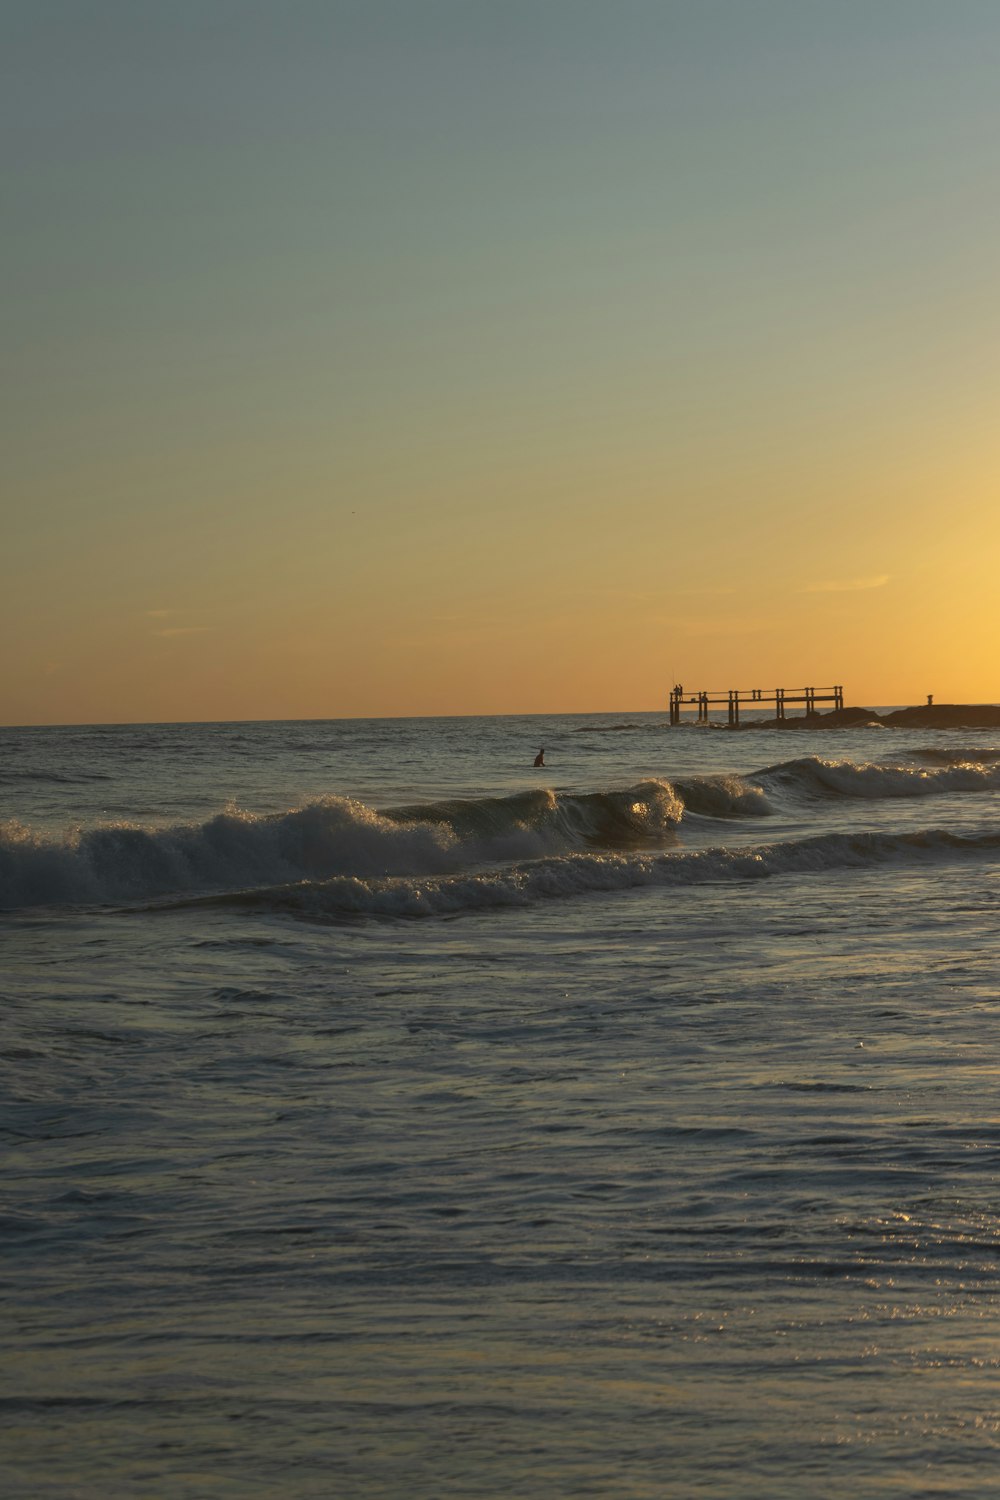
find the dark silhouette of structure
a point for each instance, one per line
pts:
(781, 698)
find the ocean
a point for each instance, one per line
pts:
(384, 1116)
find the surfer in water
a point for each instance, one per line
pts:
(540, 757)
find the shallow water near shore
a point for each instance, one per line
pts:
(384, 1116)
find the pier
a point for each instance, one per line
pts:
(780, 698)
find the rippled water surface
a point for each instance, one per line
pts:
(423, 1124)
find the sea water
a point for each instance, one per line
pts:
(384, 1116)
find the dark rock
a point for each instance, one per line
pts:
(926, 716)
(946, 716)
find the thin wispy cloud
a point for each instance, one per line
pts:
(847, 585)
(183, 630)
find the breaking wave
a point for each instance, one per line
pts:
(339, 839)
(582, 874)
(335, 836)
(722, 797)
(812, 775)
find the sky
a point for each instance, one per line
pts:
(458, 356)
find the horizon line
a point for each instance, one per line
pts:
(369, 718)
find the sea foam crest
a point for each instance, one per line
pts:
(121, 862)
(581, 874)
(335, 836)
(813, 775)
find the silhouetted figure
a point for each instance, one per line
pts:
(930, 700)
(540, 757)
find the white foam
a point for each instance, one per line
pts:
(120, 862)
(877, 780)
(582, 874)
(334, 836)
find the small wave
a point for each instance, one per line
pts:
(11, 776)
(981, 755)
(607, 728)
(874, 780)
(584, 874)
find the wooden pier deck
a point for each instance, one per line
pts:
(733, 698)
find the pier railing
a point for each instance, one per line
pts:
(734, 698)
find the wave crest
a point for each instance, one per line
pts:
(332, 837)
(582, 874)
(121, 862)
(980, 755)
(723, 797)
(341, 838)
(813, 775)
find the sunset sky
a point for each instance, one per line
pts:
(474, 356)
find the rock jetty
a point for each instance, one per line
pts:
(928, 716)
